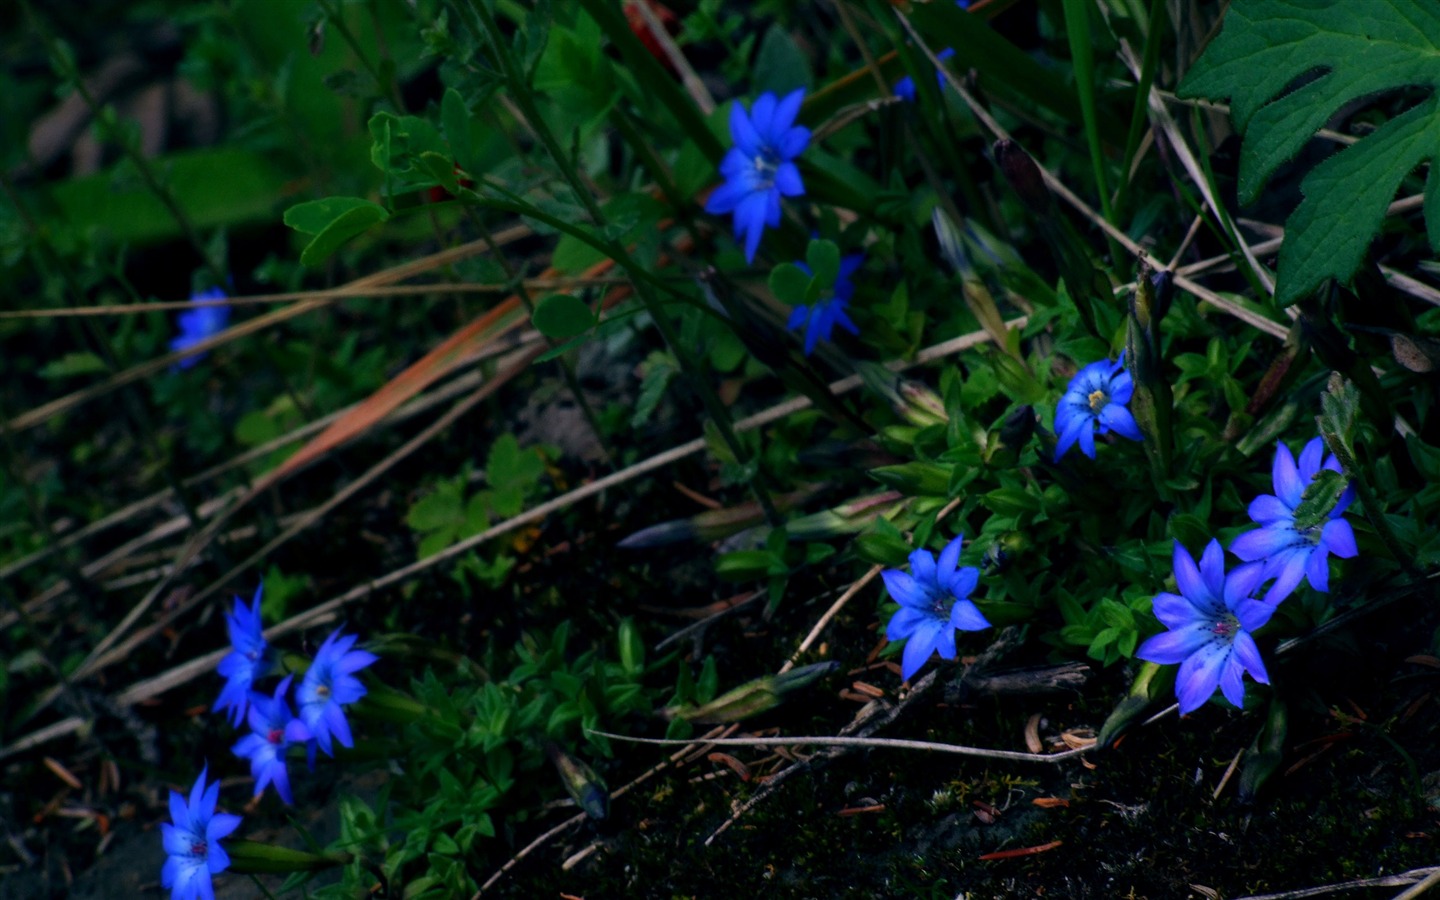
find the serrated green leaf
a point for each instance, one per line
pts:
(1319, 498)
(1364, 49)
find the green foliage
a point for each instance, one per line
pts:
(331, 222)
(449, 513)
(1364, 49)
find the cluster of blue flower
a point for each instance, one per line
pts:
(1211, 621)
(199, 324)
(328, 685)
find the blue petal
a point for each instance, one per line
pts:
(1339, 538)
(1310, 459)
(904, 623)
(919, 647)
(922, 566)
(1199, 675)
(175, 841)
(216, 859)
(726, 197)
(1187, 578)
(963, 582)
(966, 616)
(784, 116)
(1248, 655)
(1346, 498)
(1268, 508)
(945, 643)
(1212, 569)
(794, 142)
(949, 559)
(1317, 569)
(1242, 583)
(750, 221)
(1232, 681)
(798, 316)
(1288, 569)
(1087, 441)
(1174, 611)
(762, 116)
(787, 180)
(1264, 542)
(1176, 645)
(1288, 486)
(1118, 419)
(905, 89)
(747, 140)
(179, 813)
(1072, 432)
(1253, 614)
(1121, 389)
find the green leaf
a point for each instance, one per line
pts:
(461, 131)
(562, 316)
(823, 258)
(1364, 49)
(333, 221)
(780, 66)
(789, 283)
(1319, 498)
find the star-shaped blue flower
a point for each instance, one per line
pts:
(1210, 622)
(760, 168)
(934, 602)
(198, 324)
(248, 659)
(192, 843)
(329, 685)
(1095, 401)
(265, 747)
(1291, 554)
(821, 318)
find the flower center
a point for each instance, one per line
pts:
(275, 735)
(198, 848)
(1226, 627)
(322, 691)
(1098, 399)
(767, 161)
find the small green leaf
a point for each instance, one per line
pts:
(823, 258)
(561, 316)
(333, 221)
(789, 283)
(439, 167)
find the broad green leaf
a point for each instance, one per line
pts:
(789, 283)
(333, 221)
(1358, 50)
(562, 316)
(780, 66)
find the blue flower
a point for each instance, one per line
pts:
(819, 320)
(248, 659)
(1290, 553)
(905, 87)
(198, 324)
(759, 169)
(1095, 401)
(266, 746)
(1210, 622)
(192, 844)
(934, 601)
(329, 684)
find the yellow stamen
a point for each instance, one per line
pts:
(1098, 399)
